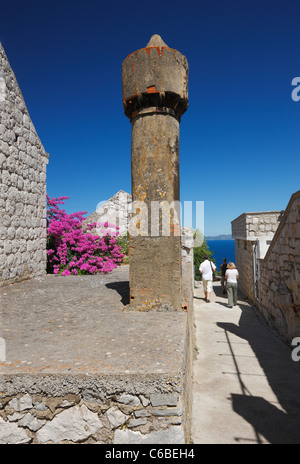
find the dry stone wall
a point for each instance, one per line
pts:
(279, 285)
(23, 162)
(90, 418)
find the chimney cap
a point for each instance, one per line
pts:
(156, 41)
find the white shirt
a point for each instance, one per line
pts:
(232, 274)
(205, 268)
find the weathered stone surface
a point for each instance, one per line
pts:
(150, 346)
(23, 163)
(279, 283)
(144, 400)
(249, 226)
(90, 421)
(155, 260)
(136, 423)
(166, 412)
(15, 416)
(40, 406)
(142, 413)
(172, 435)
(155, 70)
(155, 96)
(11, 434)
(271, 241)
(75, 424)
(116, 417)
(129, 399)
(21, 404)
(31, 422)
(47, 422)
(164, 399)
(252, 230)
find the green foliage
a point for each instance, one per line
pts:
(125, 260)
(123, 242)
(199, 253)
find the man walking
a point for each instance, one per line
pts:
(206, 269)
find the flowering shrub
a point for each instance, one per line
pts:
(72, 250)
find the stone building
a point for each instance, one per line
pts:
(253, 233)
(267, 247)
(23, 162)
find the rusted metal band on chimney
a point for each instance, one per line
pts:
(154, 110)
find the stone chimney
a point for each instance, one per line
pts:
(155, 96)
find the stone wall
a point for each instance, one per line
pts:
(23, 163)
(187, 267)
(252, 231)
(91, 416)
(244, 264)
(279, 285)
(187, 294)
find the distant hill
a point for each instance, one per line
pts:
(218, 237)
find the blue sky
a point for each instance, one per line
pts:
(239, 139)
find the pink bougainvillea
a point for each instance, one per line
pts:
(72, 250)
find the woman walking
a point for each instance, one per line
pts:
(231, 277)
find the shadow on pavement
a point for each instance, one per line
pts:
(278, 426)
(122, 288)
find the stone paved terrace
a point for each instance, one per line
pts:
(76, 365)
(78, 324)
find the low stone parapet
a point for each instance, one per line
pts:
(91, 410)
(76, 368)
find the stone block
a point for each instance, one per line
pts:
(116, 417)
(166, 412)
(164, 399)
(142, 413)
(172, 435)
(31, 422)
(129, 400)
(74, 424)
(21, 404)
(136, 423)
(12, 434)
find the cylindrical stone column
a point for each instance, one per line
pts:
(155, 96)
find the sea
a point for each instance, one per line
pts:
(222, 249)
